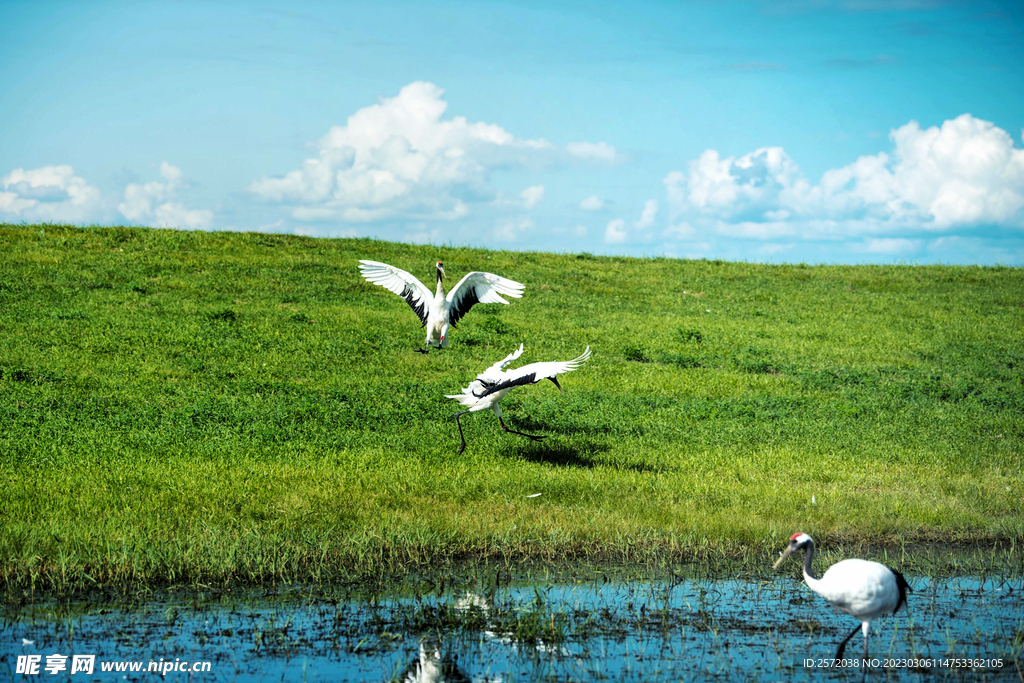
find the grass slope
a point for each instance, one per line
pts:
(216, 407)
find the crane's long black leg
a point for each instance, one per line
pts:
(842, 645)
(535, 437)
(462, 447)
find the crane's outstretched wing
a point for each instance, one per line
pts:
(494, 373)
(401, 283)
(486, 379)
(480, 288)
(467, 397)
(533, 373)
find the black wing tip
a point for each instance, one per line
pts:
(419, 309)
(525, 379)
(901, 581)
(461, 307)
(902, 585)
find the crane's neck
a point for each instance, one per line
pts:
(809, 576)
(440, 285)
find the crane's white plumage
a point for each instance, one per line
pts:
(863, 589)
(401, 283)
(491, 385)
(480, 288)
(433, 667)
(438, 312)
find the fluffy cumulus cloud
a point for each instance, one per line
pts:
(966, 172)
(513, 229)
(732, 187)
(592, 203)
(648, 214)
(895, 246)
(155, 203)
(531, 196)
(400, 158)
(615, 231)
(618, 232)
(52, 194)
(590, 151)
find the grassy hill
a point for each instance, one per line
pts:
(217, 407)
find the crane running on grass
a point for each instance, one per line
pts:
(492, 384)
(863, 589)
(438, 312)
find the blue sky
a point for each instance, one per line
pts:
(855, 131)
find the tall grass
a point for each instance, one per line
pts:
(223, 407)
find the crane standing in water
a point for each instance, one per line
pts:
(863, 589)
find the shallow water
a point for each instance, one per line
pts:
(531, 630)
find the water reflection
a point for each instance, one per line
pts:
(433, 667)
(630, 631)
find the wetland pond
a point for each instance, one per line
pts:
(491, 627)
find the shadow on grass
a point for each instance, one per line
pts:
(556, 454)
(529, 424)
(560, 454)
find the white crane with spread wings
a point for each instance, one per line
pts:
(438, 312)
(490, 386)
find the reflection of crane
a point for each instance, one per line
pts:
(437, 664)
(863, 589)
(490, 386)
(432, 667)
(438, 312)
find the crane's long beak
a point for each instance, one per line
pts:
(782, 559)
(555, 380)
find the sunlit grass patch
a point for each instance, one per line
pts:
(219, 407)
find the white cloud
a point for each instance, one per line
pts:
(334, 233)
(48, 194)
(773, 248)
(892, 246)
(964, 173)
(974, 249)
(398, 158)
(577, 231)
(680, 231)
(698, 250)
(731, 187)
(513, 229)
(592, 203)
(421, 234)
(647, 215)
(154, 204)
(276, 226)
(615, 231)
(531, 196)
(590, 151)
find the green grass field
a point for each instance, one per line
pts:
(188, 407)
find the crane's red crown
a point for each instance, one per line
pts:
(796, 535)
